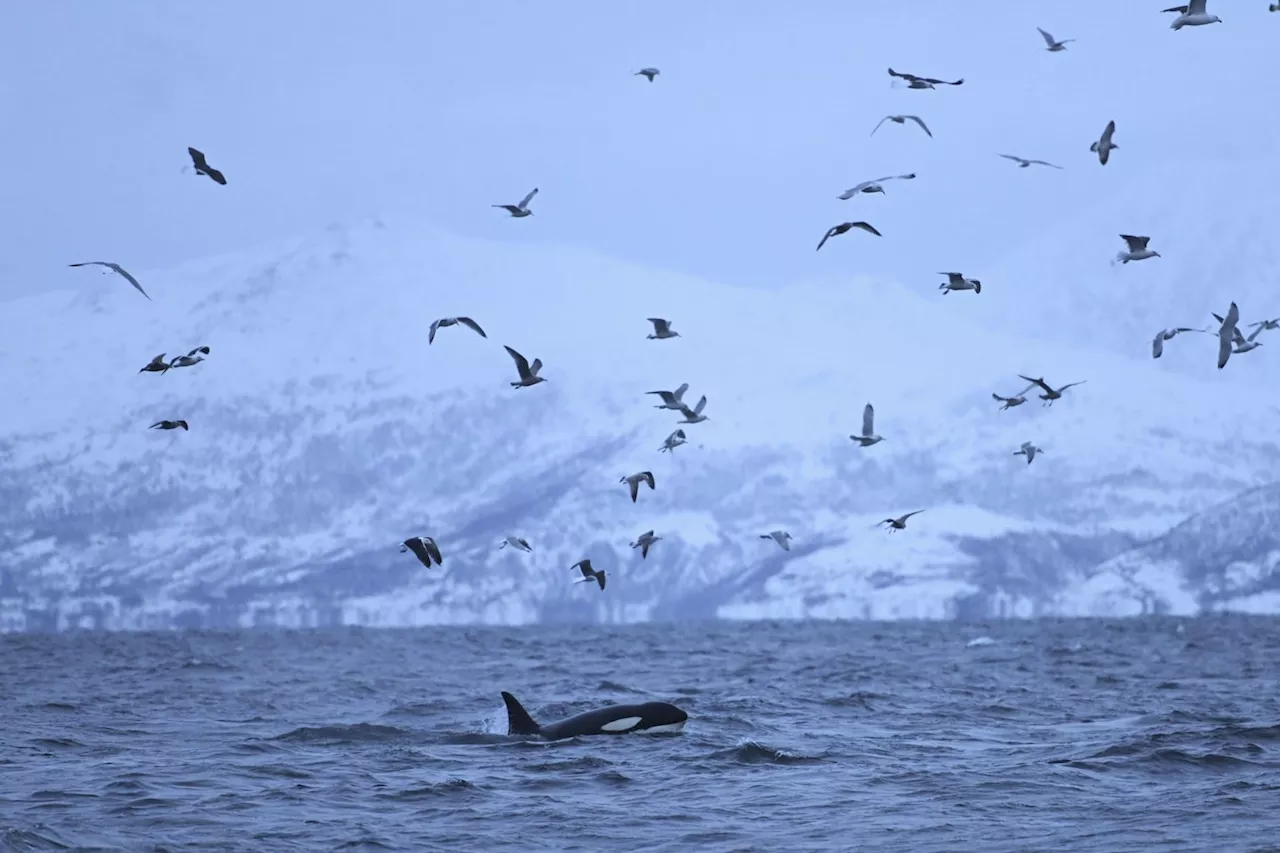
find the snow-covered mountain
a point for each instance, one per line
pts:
(324, 431)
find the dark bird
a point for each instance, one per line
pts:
(634, 482)
(837, 230)
(1023, 162)
(1009, 402)
(445, 322)
(1104, 146)
(156, 365)
(115, 268)
(588, 573)
(169, 425)
(203, 167)
(914, 82)
(644, 541)
(528, 372)
(900, 523)
(1049, 394)
(424, 548)
(648, 72)
(1157, 343)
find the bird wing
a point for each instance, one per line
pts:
(415, 545)
(1157, 345)
(1236, 337)
(472, 325)
(660, 326)
(923, 126)
(679, 392)
(893, 73)
(1233, 316)
(855, 189)
(1256, 332)
(702, 404)
(524, 202)
(1048, 39)
(907, 177)
(866, 226)
(877, 127)
(433, 550)
(522, 363)
(1196, 7)
(431, 335)
(1224, 350)
(868, 419)
(1034, 382)
(1136, 244)
(600, 579)
(204, 350)
(584, 566)
(536, 366)
(679, 434)
(1071, 385)
(197, 157)
(1013, 158)
(825, 237)
(1179, 9)
(217, 176)
(647, 476)
(908, 515)
(1108, 131)
(936, 81)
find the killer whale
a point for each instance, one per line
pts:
(650, 717)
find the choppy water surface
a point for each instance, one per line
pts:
(1083, 735)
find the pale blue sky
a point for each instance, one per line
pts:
(727, 166)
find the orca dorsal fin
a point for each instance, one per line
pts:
(518, 720)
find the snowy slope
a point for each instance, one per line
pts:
(325, 431)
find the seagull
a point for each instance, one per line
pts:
(520, 210)
(900, 523)
(903, 120)
(1268, 324)
(203, 167)
(782, 537)
(190, 358)
(644, 541)
(1054, 46)
(1192, 15)
(516, 542)
(914, 82)
(1157, 343)
(528, 372)
(873, 186)
(156, 365)
(648, 72)
(1049, 394)
(837, 230)
(1009, 402)
(661, 329)
(169, 425)
(588, 573)
(1028, 450)
(671, 399)
(634, 480)
(1024, 162)
(694, 415)
(444, 322)
(957, 281)
(1226, 333)
(1104, 146)
(868, 436)
(673, 441)
(1242, 343)
(115, 268)
(1138, 250)
(424, 548)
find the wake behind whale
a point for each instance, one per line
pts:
(652, 717)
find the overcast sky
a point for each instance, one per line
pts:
(727, 166)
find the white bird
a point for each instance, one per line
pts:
(516, 542)
(874, 186)
(1054, 46)
(1267, 324)
(902, 120)
(1157, 343)
(1009, 402)
(445, 322)
(1226, 334)
(634, 480)
(837, 230)
(782, 537)
(522, 209)
(190, 358)
(424, 548)
(1024, 162)
(1050, 394)
(650, 73)
(1137, 249)
(673, 441)
(957, 281)
(1192, 15)
(694, 415)
(1104, 146)
(1028, 450)
(528, 372)
(671, 399)
(1243, 344)
(644, 541)
(868, 436)
(588, 573)
(114, 267)
(899, 523)
(916, 82)
(661, 329)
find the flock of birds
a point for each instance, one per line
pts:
(1230, 339)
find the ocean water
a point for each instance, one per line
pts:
(1087, 735)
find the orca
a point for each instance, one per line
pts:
(649, 717)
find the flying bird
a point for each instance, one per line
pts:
(661, 329)
(190, 358)
(424, 548)
(1049, 394)
(1192, 15)
(1243, 344)
(1136, 249)
(868, 436)
(694, 415)
(1226, 334)
(837, 230)
(957, 281)
(633, 481)
(1054, 46)
(522, 209)
(169, 425)
(445, 322)
(644, 541)
(203, 167)
(903, 120)
(1157, 343)
(588, 573)
(115, 268)
(782, 537)
(1009, 402)
(1028, 450)
(528, 372)
(156, 365)
(1104, 146)
(671, 399)
(914, 82)
(516, 542)
(1267, 324)
(873, 186)
(650, 73)
(673, 441)
(1024, 162)
(900, 523)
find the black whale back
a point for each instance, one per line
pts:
(520, 722)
